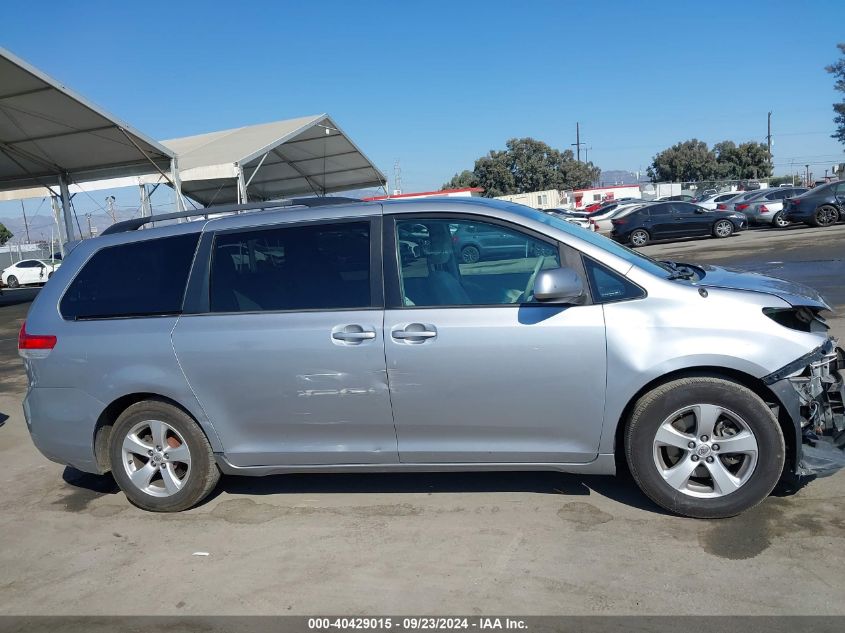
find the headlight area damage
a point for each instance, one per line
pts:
(812, 390)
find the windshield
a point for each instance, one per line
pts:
(632, 257)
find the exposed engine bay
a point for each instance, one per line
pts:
(813, 389)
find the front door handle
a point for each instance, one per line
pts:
(402, 334)
(414, 333)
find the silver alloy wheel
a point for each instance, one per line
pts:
(826, 216)
(639, 238)
(156, 458)
(780, 221)
(723, 228)
(705, 451)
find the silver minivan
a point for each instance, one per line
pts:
(333, 335)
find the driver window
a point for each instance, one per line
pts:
(446, 262)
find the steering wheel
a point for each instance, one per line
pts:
(529, 287)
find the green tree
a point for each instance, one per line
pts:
(464, 179)
(5, 234)
(526, 164)
(838, 71)
(684, 162)
(738, 162)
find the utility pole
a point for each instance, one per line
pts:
(577, 144)
(807, 179)
(88, 216)
(109, 208)
(25, 223)
(769, 139)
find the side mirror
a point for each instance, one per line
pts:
(558, 285)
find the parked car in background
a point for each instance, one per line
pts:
(604, 222)
(749, 185)
(29, 271)
(158, 356)
(668, 220)
(682, 197)
(712, 201)
(740, 201)
(704, 194)
(820, 206)
(768, 207)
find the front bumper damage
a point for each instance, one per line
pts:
(812, 391)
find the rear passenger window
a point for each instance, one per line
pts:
(314, 267)
(145, 278)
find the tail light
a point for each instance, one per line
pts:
(741, 207)
(34, 345)
(764, 208)
(618, 222)
(594, 225)
(722, 206)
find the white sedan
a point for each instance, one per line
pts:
(28, 271)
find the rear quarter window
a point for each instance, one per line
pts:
(145, 278)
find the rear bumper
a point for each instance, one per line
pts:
(813, 394)
(61, 423)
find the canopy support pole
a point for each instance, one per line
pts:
(57, 217)
(66, 210)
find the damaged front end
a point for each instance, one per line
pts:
(812, 391)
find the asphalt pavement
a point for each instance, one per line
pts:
(474, 543)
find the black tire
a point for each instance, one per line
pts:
(49, 275)
(639, 237)
(470, 254)
(655, 407)
(12, 281)
(826, 215)
(778, 221)
(199, 481)
(726, 231)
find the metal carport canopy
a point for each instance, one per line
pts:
(308, 155)
(47, 132)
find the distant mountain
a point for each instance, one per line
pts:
(619, 177)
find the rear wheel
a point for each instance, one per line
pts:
(723, 228)
(160, 457)
(780, 221)
(12, 281)
(639, 238)
(704, 447)
(470, 254)
(826, 215)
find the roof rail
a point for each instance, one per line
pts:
(137, 223)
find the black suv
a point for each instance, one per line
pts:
(668, 220)
(821, 206)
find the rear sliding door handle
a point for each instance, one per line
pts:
(353, 336)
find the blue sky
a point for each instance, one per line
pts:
(437, 84)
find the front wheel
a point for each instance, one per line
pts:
(12, 282)
(639, 238)
(723, 228)
(704, 447)
(826, 216)
(160, 457)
